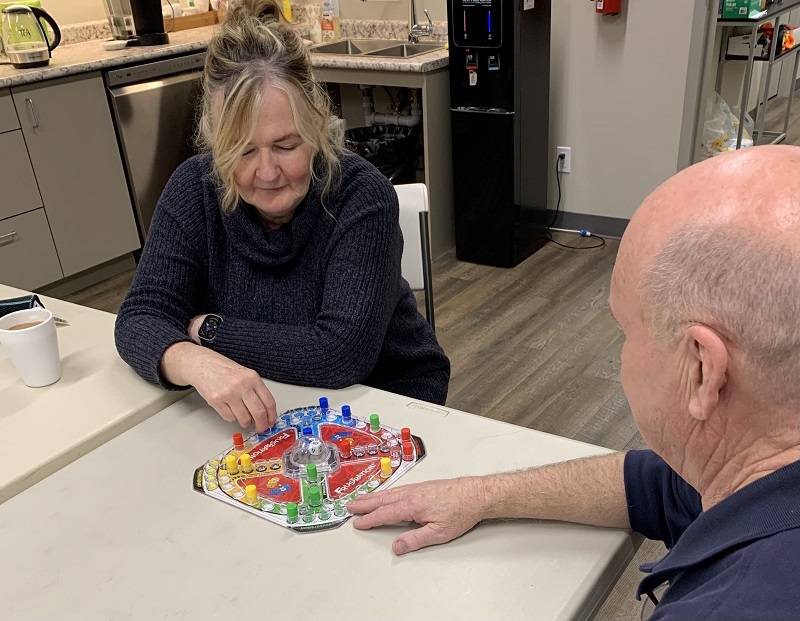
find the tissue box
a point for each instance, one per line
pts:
(739, 9)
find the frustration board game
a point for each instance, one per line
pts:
(302, 471)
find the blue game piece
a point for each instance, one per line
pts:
(347, 417)
(308, 431)
(323, 404)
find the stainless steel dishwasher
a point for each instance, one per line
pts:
(153, 106)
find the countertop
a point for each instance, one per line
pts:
(97, 398)
(90, 56)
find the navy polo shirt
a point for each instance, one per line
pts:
(738, 560)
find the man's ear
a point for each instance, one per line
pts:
(708, 362)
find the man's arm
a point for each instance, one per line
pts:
(585, 491)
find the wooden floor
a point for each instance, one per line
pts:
(776, 110)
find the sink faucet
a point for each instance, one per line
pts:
(415, 30)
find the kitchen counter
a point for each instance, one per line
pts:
(90, 56)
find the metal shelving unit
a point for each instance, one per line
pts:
(773, 14)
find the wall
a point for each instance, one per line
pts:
(390, 9)
(616, 93)
(617, 99)
(74, 11)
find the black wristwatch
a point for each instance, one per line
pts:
(208, 330)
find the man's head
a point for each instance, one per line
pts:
(707, 291)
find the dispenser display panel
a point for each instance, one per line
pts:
(477, 23)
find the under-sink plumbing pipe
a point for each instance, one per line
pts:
(374, 118)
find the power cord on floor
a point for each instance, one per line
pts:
(582, 232)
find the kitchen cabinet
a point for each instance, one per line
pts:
(27, 253)
(67, 127)
(17, 182)
(8, 116)
(28, 257)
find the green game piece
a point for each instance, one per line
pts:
(291, 513)
(374, 422)
(311, 471)
(314, 496)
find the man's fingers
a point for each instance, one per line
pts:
(428, 535)
(368, 502)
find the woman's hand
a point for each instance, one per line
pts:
(235, 392)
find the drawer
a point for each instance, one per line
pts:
(17, 182)
(8, 114)
(28, 256)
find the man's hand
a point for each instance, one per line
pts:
(445, 509)
(235, 392)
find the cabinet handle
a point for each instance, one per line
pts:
(32, 112)
(8, 237)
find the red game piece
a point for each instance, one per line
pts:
(408, 451)
(344, 448)
(405, 434)
(238, 442)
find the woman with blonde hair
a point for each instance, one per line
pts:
(277, 253)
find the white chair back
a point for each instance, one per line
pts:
(416, 260)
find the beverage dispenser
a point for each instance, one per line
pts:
(499, 97)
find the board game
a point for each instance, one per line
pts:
(302, 471)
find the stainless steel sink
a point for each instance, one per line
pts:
(406, 50)
(376, 47)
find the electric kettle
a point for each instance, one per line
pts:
(24, 38)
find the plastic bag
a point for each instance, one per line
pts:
(721, 129)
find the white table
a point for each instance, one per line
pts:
(97, 398)
(121, 534)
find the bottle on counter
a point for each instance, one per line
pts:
(330, 21)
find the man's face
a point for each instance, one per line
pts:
(650, 373)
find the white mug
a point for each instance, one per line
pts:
(30, 340)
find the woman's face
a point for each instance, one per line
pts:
(274, 173)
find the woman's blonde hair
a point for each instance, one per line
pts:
(255, 47)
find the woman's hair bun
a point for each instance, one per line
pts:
(265, 11)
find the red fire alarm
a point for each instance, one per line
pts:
(608, 7)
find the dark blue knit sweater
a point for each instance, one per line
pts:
(316, 302)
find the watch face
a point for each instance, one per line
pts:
(208, 329)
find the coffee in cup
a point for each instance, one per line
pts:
(26, 325)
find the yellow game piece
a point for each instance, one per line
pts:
(230, 462)
(247, 465)
(386, 467)
(252, 494)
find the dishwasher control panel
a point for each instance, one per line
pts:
(120, 76)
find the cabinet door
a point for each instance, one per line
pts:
(73, 148)
(8, 116)
(28, 257)
(17, 183)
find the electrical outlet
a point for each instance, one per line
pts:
(565, 166)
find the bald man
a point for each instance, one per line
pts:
(706, 289)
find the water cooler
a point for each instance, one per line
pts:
(499, 93)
